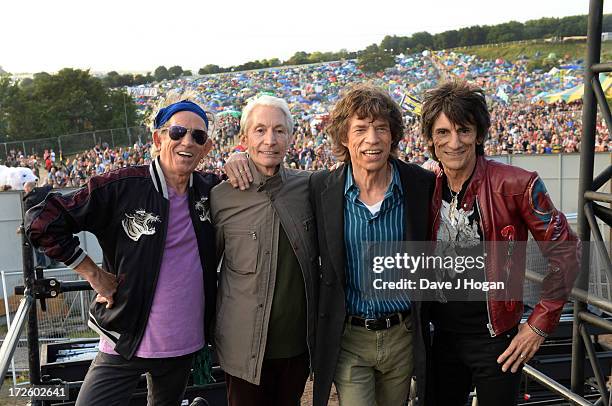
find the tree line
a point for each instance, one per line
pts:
(74, 101)
(493, 34)
(375, 56)
(71, 101)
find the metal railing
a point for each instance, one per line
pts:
(583, 296)
(587, 225)
(12, 336)
(70, 144)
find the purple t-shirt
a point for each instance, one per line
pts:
(176, 321)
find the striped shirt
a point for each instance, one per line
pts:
(360, 226)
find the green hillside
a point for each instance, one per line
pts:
(512, 51)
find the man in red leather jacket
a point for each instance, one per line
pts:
(482, 202)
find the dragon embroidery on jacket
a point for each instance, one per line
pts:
(139, 223)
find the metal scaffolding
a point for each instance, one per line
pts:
(594, 204)
(587, 198)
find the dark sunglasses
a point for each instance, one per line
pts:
(176, 132)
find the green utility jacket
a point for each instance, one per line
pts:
(247, 232)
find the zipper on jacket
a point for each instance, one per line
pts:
(434, 231)
(260, 354)
(142, 330)
(311, 374)
(489, 324)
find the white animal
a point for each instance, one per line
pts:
(16, 177)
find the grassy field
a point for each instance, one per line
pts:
(512, 51)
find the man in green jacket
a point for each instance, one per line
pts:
(267, 298)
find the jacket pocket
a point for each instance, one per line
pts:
(241, 249)
(308, 224)
(308, 229)
(110, 319)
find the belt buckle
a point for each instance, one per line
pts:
(367, 321)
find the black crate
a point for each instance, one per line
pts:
(73, 372)
(68, 371)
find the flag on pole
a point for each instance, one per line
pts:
(411, 105)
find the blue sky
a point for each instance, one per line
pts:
(137, 35)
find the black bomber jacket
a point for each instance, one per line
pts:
(127, 210)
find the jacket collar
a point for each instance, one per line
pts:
(351, 190)
(267, 183)
(332, 196)
(477, 177)
(475, 182)
(159, 181)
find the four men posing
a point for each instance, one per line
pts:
(291, 248)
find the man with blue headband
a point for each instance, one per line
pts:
(156, 288)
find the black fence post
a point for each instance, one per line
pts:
(587, 157)
(29, 277)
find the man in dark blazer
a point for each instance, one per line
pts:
(369, 347)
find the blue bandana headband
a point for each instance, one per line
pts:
(163, 115)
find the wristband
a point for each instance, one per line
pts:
(538, 331)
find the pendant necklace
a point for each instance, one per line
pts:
(452, 213)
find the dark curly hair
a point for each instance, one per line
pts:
(363, 101)
(462, 104)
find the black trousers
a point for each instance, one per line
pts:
(112, 379)
(282, 384)
(462, 361)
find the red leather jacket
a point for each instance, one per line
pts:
(512, 201)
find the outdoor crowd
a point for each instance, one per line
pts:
(67, 172)
(527, 115)
(525, 118)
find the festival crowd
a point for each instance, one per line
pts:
(524, 119)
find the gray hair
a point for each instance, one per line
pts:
(170, 98)
(270, 101)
